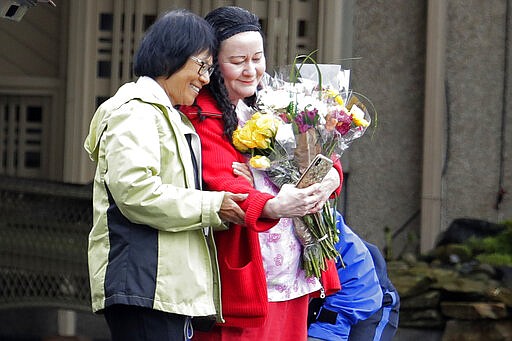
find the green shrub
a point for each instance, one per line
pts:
(495, 250)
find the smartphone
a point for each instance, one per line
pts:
(316, 171)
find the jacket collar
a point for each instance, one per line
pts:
(145, 89)
(153, 92)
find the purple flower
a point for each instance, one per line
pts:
(303, 121)
(311, 116)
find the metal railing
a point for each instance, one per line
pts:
(44, 229)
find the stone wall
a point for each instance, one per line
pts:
(452, 292)
(442, 301)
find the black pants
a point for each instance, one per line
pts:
(132, 323)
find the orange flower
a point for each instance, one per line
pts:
(330, 122)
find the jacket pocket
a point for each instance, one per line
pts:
(244, 290)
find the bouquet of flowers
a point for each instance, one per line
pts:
(294, 121)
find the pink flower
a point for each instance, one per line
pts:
(344, 121)
(310, 280)
(278, 260)
(281, 288)
(273, 237)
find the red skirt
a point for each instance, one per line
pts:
(286, 321)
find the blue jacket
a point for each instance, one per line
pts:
(360, 295)
(382, 325)
(382, 273)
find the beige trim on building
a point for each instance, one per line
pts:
(82, 58)
(433, 138)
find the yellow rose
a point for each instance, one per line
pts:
(260, 162)
(237, 143)
(358, 117)
(245, 136)
(258, 132)
(266, 125)
(250, 126)
(261, 141)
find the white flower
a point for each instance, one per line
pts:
(312, 102)
(274, 100)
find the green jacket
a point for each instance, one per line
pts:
(151, 243)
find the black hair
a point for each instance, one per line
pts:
(228, 21)
(170, 41)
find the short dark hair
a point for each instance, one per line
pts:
(170, 41)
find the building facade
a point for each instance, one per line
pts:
(436, 71)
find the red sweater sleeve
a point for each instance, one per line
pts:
(337, 166)
(218, 155)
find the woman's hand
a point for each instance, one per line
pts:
(328, 185)
(294, 202)
(229, 209)
(241, 169)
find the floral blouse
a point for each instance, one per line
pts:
(280, 249)
(281, 253)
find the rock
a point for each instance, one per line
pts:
(424, 318)
(436, 263)
(452, 253)
(443, 274)
(409, 258)
(429, 299)
(462, 229)
(474, 310)
(409, 285)
(461, 285)
(456, 290)
(501, 294)
(467, 268)
(397, 266)
(481, 277)
(487, 269)
(505, 273)
(457, 330)
(407, 334)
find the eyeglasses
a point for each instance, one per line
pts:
(204, 66)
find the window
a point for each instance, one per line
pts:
(23, 135)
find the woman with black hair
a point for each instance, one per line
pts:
(265, 291)
(152, 259)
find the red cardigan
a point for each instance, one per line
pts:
(244, 287)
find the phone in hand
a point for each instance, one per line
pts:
(316, 171)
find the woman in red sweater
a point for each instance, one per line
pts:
(265, 292)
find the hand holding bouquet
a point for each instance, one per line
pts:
(294, 121)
